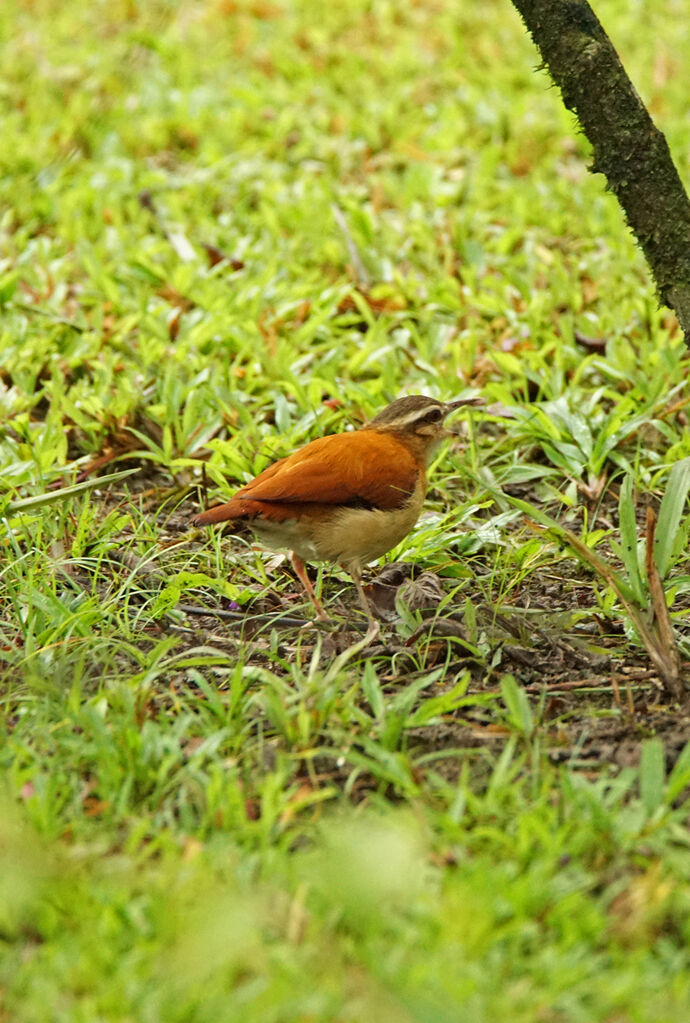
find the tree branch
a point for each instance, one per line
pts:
(628, 147)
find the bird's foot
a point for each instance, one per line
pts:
(327, 625)
(373, 632)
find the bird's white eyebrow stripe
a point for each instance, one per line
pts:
(418, 414)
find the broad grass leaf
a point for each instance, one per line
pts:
(628, 548)
(652, 774)
(517, 704)
(671, 533)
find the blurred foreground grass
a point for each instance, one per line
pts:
(197, 829)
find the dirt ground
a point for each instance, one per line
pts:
(595, 694)
(593, 690)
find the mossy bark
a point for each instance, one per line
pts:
(628, 147)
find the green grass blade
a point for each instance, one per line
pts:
(603, 568)
(517, 704)
(628, 531)
(670, 537)
(39, 500)
(652, 774)
(679, 778)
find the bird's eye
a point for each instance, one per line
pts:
(435, 415)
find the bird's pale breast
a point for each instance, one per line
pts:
(348, 535)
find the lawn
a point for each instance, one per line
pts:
(228, 227)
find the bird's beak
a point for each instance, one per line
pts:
(451, 406)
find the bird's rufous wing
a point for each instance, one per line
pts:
(368, 467)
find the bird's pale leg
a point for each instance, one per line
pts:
(374, 629)
(301, 573)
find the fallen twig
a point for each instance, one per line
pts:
(662, 628)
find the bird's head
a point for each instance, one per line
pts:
(418, 420)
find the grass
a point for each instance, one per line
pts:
(228, 228)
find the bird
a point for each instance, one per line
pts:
(347, 497)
